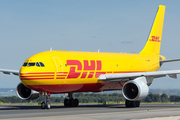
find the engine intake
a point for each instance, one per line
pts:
(25, 93)
(136, 89)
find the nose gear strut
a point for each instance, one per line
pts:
(45, 104)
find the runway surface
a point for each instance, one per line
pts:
(89, 112)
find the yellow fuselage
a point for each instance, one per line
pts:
(67, 71)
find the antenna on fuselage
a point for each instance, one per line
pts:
(51, 49)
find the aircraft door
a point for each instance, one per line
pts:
(58, 63)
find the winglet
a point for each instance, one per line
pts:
(153, 43)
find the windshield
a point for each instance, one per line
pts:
(38, 64)
(42, 65)
(25, 64)
(31, 64)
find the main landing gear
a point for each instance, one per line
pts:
(45, 104)
(71, 102)
(132, 103)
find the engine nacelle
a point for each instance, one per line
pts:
(136, 89)
(25, 93)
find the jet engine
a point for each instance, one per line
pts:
(25, 93)
(136, 89)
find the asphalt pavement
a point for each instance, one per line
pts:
(89, 112)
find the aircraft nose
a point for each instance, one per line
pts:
(25, 70)
(25, 74)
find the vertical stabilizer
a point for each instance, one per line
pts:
(153, 43)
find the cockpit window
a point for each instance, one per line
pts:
(37, 64)
(31, 64)
(42, 65)
(25, 64)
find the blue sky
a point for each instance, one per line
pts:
(29, 27)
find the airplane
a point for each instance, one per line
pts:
(59, 72)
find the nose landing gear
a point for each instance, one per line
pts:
(45, 104)
(71, 102)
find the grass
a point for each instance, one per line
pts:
(123, 102)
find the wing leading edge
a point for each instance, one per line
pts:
(7, 71)
(124, 77)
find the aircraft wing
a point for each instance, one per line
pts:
(123, 77)
(6, 71)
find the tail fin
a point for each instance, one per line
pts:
(153, 43)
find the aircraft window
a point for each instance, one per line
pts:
(25, 64)
(37, 64)
(31, 64)
(42, 65)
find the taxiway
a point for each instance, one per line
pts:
(89, 112)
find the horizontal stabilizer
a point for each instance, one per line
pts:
(172, 60)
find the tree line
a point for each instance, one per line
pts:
(95, 98)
